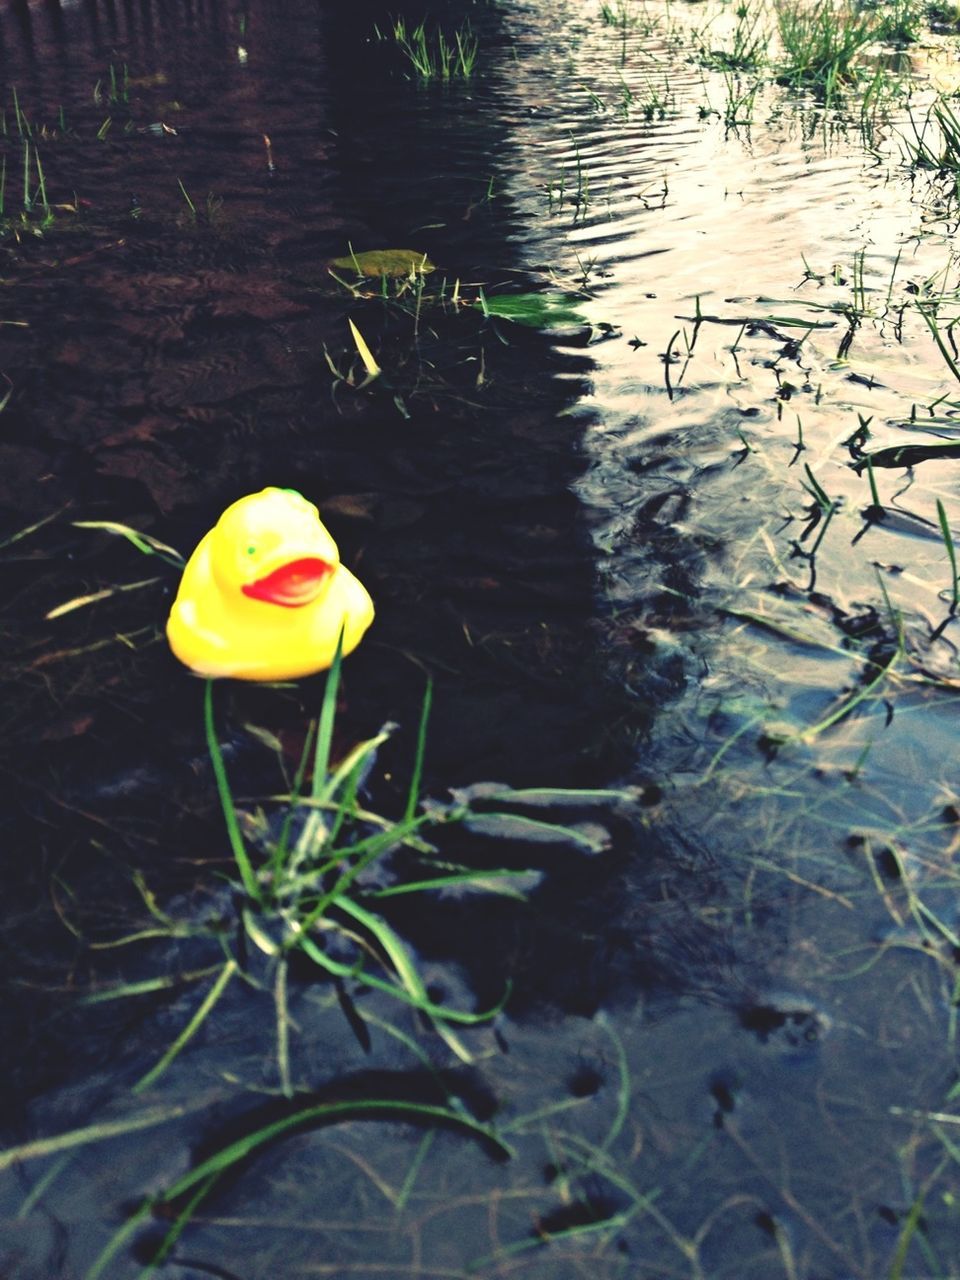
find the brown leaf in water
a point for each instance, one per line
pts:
(351, 506)
(388, 512)
(69, 727)
(148, 428)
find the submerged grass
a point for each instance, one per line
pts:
(200, 1181)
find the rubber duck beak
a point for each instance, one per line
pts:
(292, 585)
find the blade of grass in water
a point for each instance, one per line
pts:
(31, 528)
(204, 1176)
(179, 1225)
(211, 998)
(283, 1028)
(952, 553)
(440, 1012)
(41, 1147)
(149, 985)
(142, 541)
(844, 709)
(495, 881)
(80, 602)
(405, 968)
(283, 840)
(414, 794)
(244, 865)
(366, 355)
(321, 760)
(245, 1146)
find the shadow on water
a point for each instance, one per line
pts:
(698, 982)
(178, 341)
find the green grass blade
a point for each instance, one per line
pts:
(142, 541)
(177, 1228)
(494, 881)
(231, 1155)
(363, 852)
(328, 708)
(951, 552)
(244, 865)
(211, 998)
(440, 1012)
(42, 1147)
(405, 968)
(118, 1240)
(149, 985)
(413, 796)
(283, 840)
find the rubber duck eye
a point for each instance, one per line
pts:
(251, 551)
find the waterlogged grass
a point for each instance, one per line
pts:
(25, 208)
(302, 890)
(432, 55)
(297, 892)
(301, 882)
(748, 46)
(935, 143)
(823, 41)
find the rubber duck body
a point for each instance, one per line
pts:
(264, 596)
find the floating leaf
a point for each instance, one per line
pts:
(394, 263)
(588, 837)
(543, 797)
(536, 310)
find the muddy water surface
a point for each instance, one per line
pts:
(639, 548)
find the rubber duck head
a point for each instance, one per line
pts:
(264, 596)
(271, 547)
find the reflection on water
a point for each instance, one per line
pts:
(653, 557)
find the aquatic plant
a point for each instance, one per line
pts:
(551, 310)
(304, 870)
(654, 103)
(393, 264)
(301, 881)
(951, 556)
(35, 214)
(116, 91)
(748, 47)
(904, 22)
(741, 95)
(435, 57)
(821, 42)
(622, 17)
(935, 144)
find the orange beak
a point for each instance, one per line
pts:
(293, 585)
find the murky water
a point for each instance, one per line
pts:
(644, 548)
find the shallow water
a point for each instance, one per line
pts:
(729, 1045)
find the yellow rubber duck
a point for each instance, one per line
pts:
(264, 596)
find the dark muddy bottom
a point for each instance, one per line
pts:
(722, 1031)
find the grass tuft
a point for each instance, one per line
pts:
(821, 43)
(433, 56)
